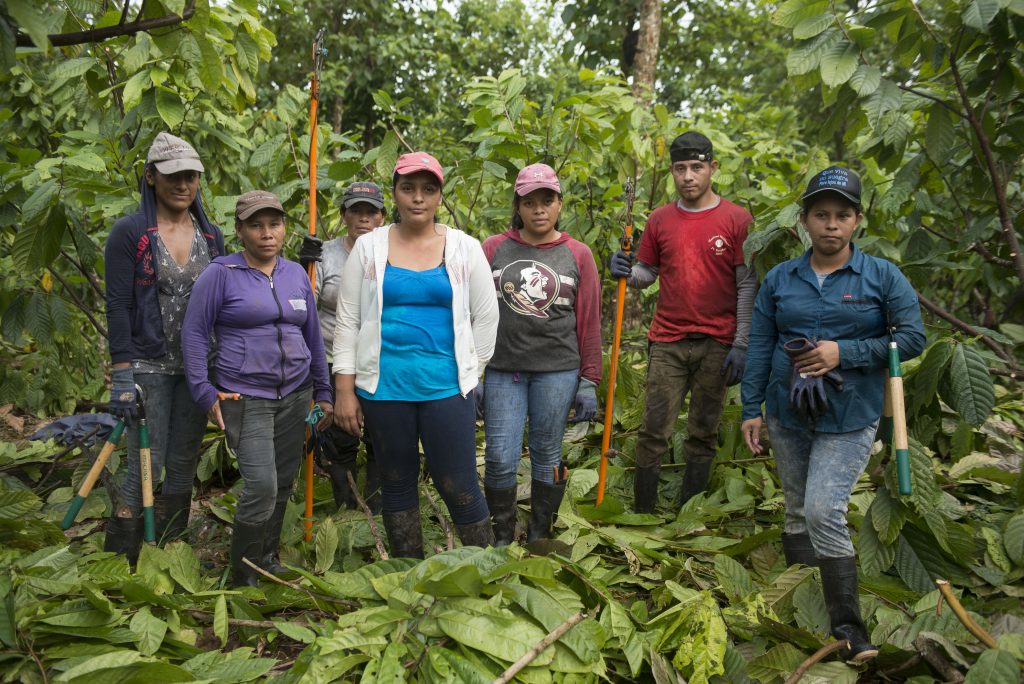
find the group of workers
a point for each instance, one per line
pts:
(416, 329)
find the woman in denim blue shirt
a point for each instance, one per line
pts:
(817, 360)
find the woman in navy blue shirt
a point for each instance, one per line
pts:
(817, 360)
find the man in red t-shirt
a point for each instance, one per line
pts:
(698, 338)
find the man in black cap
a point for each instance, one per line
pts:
(698, 338)
(362, 208)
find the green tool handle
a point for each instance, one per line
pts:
(94, 472)
(899, 421)
(146, 472)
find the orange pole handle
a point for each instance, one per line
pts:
(613, 370)
(314, 99)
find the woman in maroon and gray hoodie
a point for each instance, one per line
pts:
(547, 359)
(269, 362)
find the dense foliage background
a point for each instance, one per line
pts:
(923, 99)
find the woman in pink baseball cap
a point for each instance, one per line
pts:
(416, 320)
(547, 358)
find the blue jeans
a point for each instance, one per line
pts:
(818, 471)
(510, 398)
(176, 428)
(447, 430)
(269, 440)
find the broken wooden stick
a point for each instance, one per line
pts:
(818, 656)
(369, 516)
(553, 636)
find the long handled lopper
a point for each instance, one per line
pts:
(145, 472)
(626, 242)
(319, 51)
(94, 473)
(895, 407)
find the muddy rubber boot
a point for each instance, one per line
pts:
(371, 487)
(645, 488)
(270, 559)
(839, 585)
(798, 549)
(246, 542)
(405, 533)
(695, 479)
(124, 535)
(172, 513)
(502, 505)
(545, 499)
(343, 496)
(476, 534)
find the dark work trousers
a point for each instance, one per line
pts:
(447, 430)
(689, 365)
(343, 449)
(268, 438)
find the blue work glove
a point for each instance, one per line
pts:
(312, 250)
(622, 264)
(478, 399)
(124, 402)
(806, 392)
(734, 365)
(585, 407)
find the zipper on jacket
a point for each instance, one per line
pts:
(280, 341)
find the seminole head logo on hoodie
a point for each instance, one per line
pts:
(528, 287)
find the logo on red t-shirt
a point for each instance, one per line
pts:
(528, 287)
(718, 245)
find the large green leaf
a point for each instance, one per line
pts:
(875, 556)
(979, 13)
(940, 134)
(1013, 538)
(994, 667)
(865, 79)
(910, 568)
(971, 393)
(502, 636)
(838, 64)
(326, 545)
(170, 107)
(792, 12)
(31, 18)
(149, 631)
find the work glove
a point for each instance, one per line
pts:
(478, 399)
(585, 406)
(622, 264)
(312, 250)
(734, 365)
(124, 401)
(807, 393)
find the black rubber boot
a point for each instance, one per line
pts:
(172, 513)
(270, 560)
(545, 499)
(476, 534)
(695, 479)
(798, 549)
(839, 584)
(246, 542)
(371, 487)
(645, 488)
(405, 533)
(343, 495)
(502, 505)
(124, 535)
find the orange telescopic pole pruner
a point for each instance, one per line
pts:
(314, 98)
(626, 243)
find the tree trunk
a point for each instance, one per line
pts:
(338, 110)
(645, 67)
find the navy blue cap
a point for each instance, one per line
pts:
(363, 191)
(835, 179)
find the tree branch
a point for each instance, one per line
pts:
(933, 98)
(528, 657)
(937, 310)
(98, 35)
(998, 186)
(79, 304)
(818, 655)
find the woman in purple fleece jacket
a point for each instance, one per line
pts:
(268, 364)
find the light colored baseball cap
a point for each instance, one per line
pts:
(419, 161)
(170, 154)
(537, 177)
(248, 204)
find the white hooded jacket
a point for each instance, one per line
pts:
(357, 335)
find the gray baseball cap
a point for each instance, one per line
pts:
(363, 191)
(170, 154)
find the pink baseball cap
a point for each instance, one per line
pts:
(536, 177)
(419, 161)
